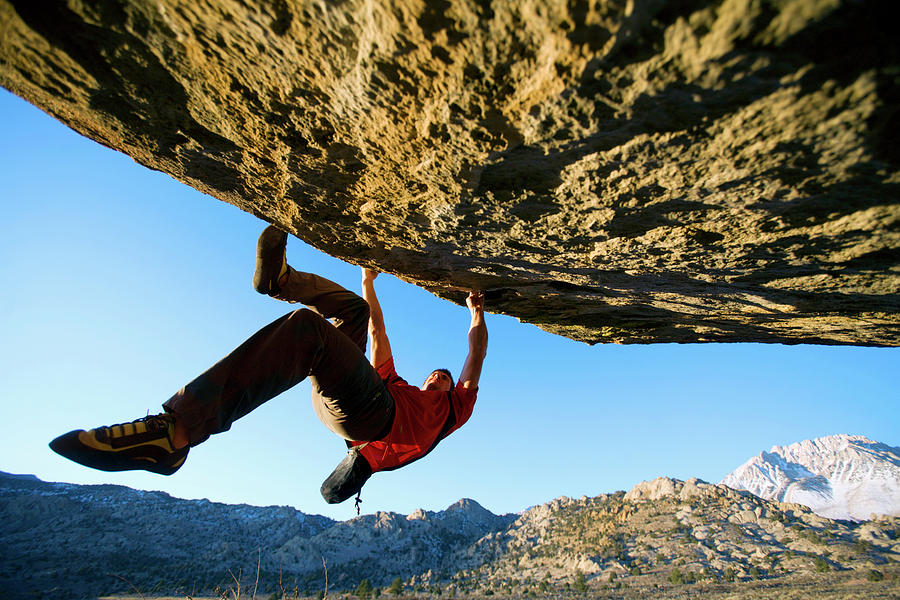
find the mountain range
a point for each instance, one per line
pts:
(66, 541)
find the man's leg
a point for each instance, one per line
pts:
(348, 397)
(274, 277)
(347, 310)
(274, 359)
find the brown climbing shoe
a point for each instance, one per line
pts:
(347, 478)
(270, 260)
(144, 444)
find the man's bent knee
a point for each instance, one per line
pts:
(303, 316)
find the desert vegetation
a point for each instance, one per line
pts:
(847, 585)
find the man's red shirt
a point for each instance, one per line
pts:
(419, 419)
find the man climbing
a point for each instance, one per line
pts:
(386, 422)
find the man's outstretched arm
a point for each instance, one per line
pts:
(478, 340)
(380, 346)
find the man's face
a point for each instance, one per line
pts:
(438, 380)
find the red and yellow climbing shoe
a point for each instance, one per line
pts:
(144, 444)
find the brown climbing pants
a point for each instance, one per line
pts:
(348, 395)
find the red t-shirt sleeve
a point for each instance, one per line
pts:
(463, 400)
(388, 373)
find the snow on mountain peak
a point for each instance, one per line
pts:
(839, 476)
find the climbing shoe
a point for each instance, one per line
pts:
(145, 444)
(347, 479)
(270, 260)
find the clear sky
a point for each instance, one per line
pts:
(120, 285)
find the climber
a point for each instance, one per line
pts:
(386, 422)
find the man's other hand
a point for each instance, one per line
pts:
(475, 301)
(368, 275)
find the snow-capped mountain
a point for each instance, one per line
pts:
(839, 476)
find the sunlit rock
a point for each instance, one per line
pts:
(612, 171)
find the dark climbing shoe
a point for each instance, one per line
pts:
(270, 260)
(347, 479)
(145, 444)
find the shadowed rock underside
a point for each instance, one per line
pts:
(612, 171)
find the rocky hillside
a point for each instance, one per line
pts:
(702, 531)
(77, 540)
(628, 171)
(840, 476)
(80, 541)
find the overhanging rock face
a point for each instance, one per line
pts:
(612, 171)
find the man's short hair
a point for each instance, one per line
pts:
(449, 374)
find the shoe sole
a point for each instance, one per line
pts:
(269, 257)
(68, 446)
(347, 479)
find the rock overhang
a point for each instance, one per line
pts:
(629, 172)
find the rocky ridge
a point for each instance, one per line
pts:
(707, 532)
(72, 540)
(620, 171)
(164, 543)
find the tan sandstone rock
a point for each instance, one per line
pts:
(625, 171)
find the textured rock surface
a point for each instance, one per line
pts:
(629, 171)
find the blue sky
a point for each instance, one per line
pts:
(121, 284)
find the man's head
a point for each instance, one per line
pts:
(440, 380)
